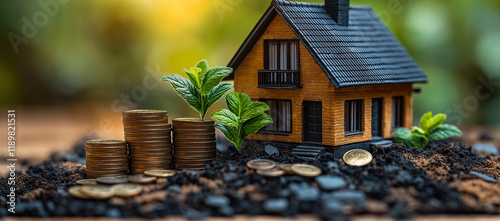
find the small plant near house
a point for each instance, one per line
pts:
(431, 128)
(243, 118)
(204, 86)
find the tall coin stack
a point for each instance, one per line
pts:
(147, 133)
(194, 143)
(106, 158)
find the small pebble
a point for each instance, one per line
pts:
(271, 150)
(216, 201)
(275, 205)
(482, 176)
(331, 182)
(488, 147)
(308, 194)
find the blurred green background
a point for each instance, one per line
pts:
(114, 51)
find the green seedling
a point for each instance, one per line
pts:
(243, 118)
(431, 128)
(204, 86)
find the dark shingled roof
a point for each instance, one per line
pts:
(363, 53)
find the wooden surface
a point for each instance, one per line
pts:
(275, 218)
(316, 86)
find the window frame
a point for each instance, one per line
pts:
(278, 132)
(349, 118)
(398, 108)
(266, 53)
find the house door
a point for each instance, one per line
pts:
(312, 125)
(377, 105)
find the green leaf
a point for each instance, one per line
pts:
(424, 121)
(417, 130)
(229, 132)
(437, 120)
(444, 131)
(216, 93)
(253, 125)
(193, 76)
(255, 109)
(203, 65)
(238, 103)
(227, 117)
(419, 139)
(185, 89)
(213, 77)
(402, 133)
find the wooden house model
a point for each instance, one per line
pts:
(332, 74)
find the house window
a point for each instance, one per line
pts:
(282, 55)
(281, 65)
(281, 113)
(353, 116)
(397, 112)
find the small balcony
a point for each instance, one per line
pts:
(279, 79)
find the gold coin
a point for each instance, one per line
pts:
(261, 164)
(76, 191)
(141, 179)
(357, 157)
(306, 170)
(287, 168)
(87, 182)
(126, 189)
(97, 191)
(112, 179)
(274, 172)
(159, 173)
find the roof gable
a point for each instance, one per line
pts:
(363, 53)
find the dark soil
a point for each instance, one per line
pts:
(446, 178)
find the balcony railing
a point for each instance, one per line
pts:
(279, 79)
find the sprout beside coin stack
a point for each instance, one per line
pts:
(106, 158)
(147, 133)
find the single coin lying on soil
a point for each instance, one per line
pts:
(261, 164)
(357, 157)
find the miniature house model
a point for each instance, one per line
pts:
(332, 74)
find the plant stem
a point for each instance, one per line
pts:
(203, 111)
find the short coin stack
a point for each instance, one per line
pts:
(194, 143)
(147, 133)
(106, 158)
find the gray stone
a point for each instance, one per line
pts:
(488, 147)
(175, 188)
(331, 182)
(271, 150)
(482, 176)
(216, 201)
(275, 205)
(353, 198)
(332, 206)
(308, 194)
(226, 211)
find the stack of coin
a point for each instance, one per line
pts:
(147, 133)
(194, 143)
(106, 158)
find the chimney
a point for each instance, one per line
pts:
(338, 10)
